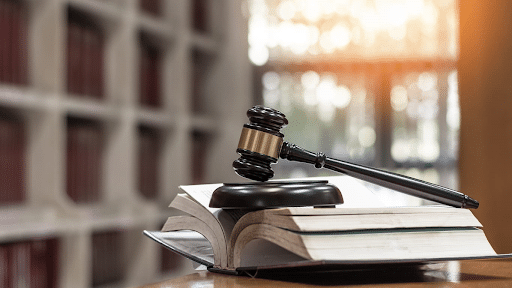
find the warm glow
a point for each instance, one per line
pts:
(372, 28)
(258, 55)
(399, 99)
(310, 80)
(270, 80)
(367, 136)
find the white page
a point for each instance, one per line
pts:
(202, 194)
(354, 193)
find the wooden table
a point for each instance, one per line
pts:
(476, 273)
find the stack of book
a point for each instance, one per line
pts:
(307, 236)
(13, 42)
(85, 57)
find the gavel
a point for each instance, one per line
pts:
(261, 144)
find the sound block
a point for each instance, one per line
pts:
(275, 194)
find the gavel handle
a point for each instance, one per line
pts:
(400, 183)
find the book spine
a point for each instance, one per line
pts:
(43, 263)
(6, 41)
(3, 39)
(71, 167)
(92, 172)
(39, 276)
(12, 158)
(23, 45)
(75, 59)
(88, 61)
(4, 266)
(82, 165)
(84, 162)
(144, 77)
(5, 191)
(200, 15)
(196, 82)
(20, 264)
(18, 169)
(154, 78)
(107, 262)
(151, 6)
(15, 37)
(98, 65)
(148, 164)
(70, 160)
(143, 151)
(199, 148)
(88, 172)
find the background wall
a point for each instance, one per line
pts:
(485, 89)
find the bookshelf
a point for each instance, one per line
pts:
(103, 149)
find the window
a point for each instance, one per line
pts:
(370, 82)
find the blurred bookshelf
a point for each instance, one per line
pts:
(106, 107)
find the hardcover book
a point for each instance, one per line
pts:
(359, 232)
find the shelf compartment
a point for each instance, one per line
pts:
(85, 56)
(84, 168)
(13, 42)
(149, 162)
(29, 263)
(12, 158)
(107, 257)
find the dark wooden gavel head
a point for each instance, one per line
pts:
(260, 143)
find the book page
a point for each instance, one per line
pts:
(354, 193)
(202, 194)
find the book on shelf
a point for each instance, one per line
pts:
(199, 154)
(84, 57)
(29, 264)
(12, 160)
(201, 66)
(149, 148)
(153, 7)
(359, 232)
(200, 15)
(150, 94)
(13, 39)
(84, 160)
(107, 257)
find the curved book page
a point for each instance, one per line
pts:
(191, 223)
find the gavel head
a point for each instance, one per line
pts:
(260, 143)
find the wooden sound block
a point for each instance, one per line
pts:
(274, 194)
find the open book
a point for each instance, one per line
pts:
(231, 240)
